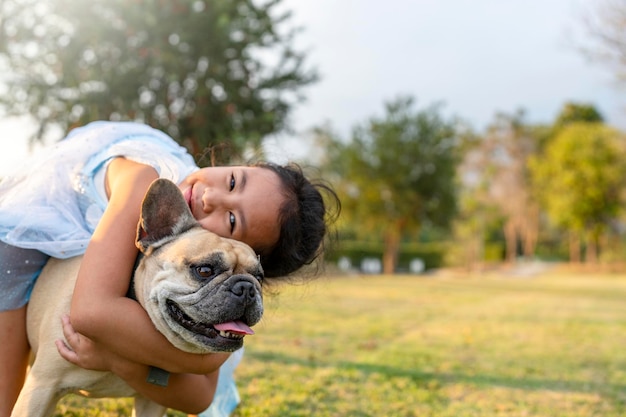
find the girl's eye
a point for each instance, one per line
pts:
(233, 222)
(232, 182)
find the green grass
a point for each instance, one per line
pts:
(436, 346)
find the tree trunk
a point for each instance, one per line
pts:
(574, 247)
(591, 252)
(510, 236)
(476, 253)
(391, 250)
(531, 232)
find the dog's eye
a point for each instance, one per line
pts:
(203, 271)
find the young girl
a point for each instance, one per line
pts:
(83, 197)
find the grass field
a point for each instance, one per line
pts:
(434, 346)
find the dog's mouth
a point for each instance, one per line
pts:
(233, 330)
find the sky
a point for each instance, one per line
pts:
(476, 57)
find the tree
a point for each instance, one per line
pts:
(580, 176)
(495, 171)
(477, 215)
(605, 24)
(395, 174)
(571, 112)
(577, 112)
(204, 71)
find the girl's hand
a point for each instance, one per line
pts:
(82, 351)
(186, 392)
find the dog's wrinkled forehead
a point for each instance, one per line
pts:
(222, 261)
(198, 246)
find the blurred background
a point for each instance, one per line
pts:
(472, 143)
(476, 133)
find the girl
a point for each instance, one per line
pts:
(84, 198)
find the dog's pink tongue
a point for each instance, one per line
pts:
(238, 327)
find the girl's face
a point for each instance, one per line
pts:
(237, 202)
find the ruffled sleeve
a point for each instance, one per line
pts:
(52, 204)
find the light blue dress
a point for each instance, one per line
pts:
(55, 201)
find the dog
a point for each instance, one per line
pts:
(201, 291)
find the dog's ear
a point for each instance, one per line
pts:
(164, 215)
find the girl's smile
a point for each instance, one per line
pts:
(241, 203)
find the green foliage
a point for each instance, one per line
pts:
(576, 112)
(443, 346)
(580, 176)
(204, 71)
(396, 170)
(431, 253)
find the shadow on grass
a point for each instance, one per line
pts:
(442, 378)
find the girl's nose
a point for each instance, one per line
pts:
(211, 199)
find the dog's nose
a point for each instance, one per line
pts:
(244, 289)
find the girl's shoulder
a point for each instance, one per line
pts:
(55, 201)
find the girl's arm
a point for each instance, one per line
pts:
(99, 307)
(189, 393)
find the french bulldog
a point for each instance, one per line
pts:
(201, 291)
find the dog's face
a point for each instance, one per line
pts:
(202, 291)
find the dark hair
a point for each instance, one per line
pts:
(304, 220)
